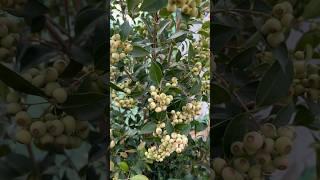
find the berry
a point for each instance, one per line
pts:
(268, 145)
(299, 67)
(314, 80)
(283, 145)
(253, 141)
(241, 164)
(46, 139)
(219, 164)
(33, 72)
(171, 8)
(112, 144)
(272, 25)
(12, 97)
(50, 87)
(49, 117)
(299, 90)
(23, 119)
(287, 19)
(255, 171)
(299, 55)
(281, 162)
(268, 168)
(275, 39)
(7, 41)
(4, 53)
(13, 108)
(38, 81)
(51, 74)
(263, 158)
(38, 129)
(23, 136)
(237, 148)
(286, 132)
(60, 65)
(60, 95)
(61, 140)
(269, 130)
(229, 173)
(55, 127)
(69, 124)
(84, 133)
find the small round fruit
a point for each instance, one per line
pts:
(23, 136)
(229, 173)
(4, 53)
(49, 117)
(60, 95)
(314, 80)
(61, 140)
(283, 145)
(279, 10)
(237, 148)
(272, 25)
(269, 130)
(263, 158)
(268, 168)
(50, 87)
(13, 108)
(281, 162)
(299, 55)
(253, 141)
(7, 41)
(69, 124)
(241, 164)
(286, 131)
(299, 90)
(55, 127)
(219, 164)
(313, 94)
(194, 12)
(255, 171)
(33, 72)
(13, 97)
(274, 39)
(38, 129)
(268, 145)
(185, 9)
(60, 66)
(51, 74)
(287, 19)
(46, 139)
(23, 119)
(299, 67)
(38, 80)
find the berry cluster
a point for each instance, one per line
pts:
(197, 68)
(119, 49)
(160, 130)
(9, 36)
(64, 132)
(173, 83)
(159, 101)
(274, 27)
(189, 111)
(46, 78)
(122, 99)
(205, 85)
(265, 57)
(15, 4)
(169, 144)
(260, 153)
(188, 7)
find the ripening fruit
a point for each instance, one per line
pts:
(280, 9)
(281, 162)
(255, 171)
(185, 9)
(286, 131)
(253, 141)
(229, 173)
(268, 145)
(194, 12)
(50, 87)
(60, 66)
(49, 117)
(269, 130)
(283, 145)
(180, 3)
(171, 8)
(3, 30)
(38, 129)
(46, 139)
(38, 80)
(23, 136)
(69, 124)
(241, 164)
(55, 127)
(60, 95)
(299, 90)
(274, 39)
(219, 164)
(263, 158)
(314, 80)
(61, 140)
(51, 74)
(313, 94)
(287, 19)
(12, 97)
(23, 119)
(299, 55)
(272, 25)
(237, 148)
(13, 108)
(7, 41)
(33, 72)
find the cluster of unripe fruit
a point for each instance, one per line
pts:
(46, 78)
(173, 83)
(205, 85)
(13, 4)
(158, 101)
(307, 79)
(260, 153)
(274, 27)
(113, 73)
(169, 144)
(64, 132)
(160, 130)
(119, 49)
(189, 111)
(122, 99)
(9, 29)
(197, 68)
(188, 7)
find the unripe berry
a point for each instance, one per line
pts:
(313, 94)
(283, 145)
(49, 117)
(268, 145)
(255, 171)
(237, 149)
(287, 19)
(158, 109)
(12, 97)
(112, 144)
(33, 72)
(69, 124)
(194, 12)
(61, 140)
(299, 55)
(180, 3)
(38, 129)
(279, 10)
(241, 164)
(272, 25)
(23, 136)
(60, 66)
(185, 9)
(314, 80)
(268, 168)
(38, 80)
(275, 39)
(55, 127)
(263, 158)
(229, 173)
(3, 30)
(7, 41)
(299, 90)
(253, 141)
(50, 87)
(287, 6)
(281, 162)
(51, 74)
(219, 164)
(60, 95)
(46, 139)
(269, 130)
(286, 132)
(13, 108)
(299, 67)
(23, 119)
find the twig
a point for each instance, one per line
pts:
(66, 7)
(56, 35)
(127, 72)
(170, 54)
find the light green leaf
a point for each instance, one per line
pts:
(155, 73)
(148, 128)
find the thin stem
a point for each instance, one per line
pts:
(170, 53)
(35, 166)
(66, 7)
(56, 35)
(127, 72)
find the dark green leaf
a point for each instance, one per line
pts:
(284, 115)
(153, 5)
(311, 10)
(155, 73)
(244, 58)
(222, 35)
(139, 51)
(125, 30)
(85, 18)
(312, 38)
(148, 128)
(183, 128)
(281, 55)
(220, 94)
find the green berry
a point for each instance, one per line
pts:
(46, 139)
(13, 108)
(13, 97)
(241, 164)
(23, 119)
(50, 87)
(274, 39)
(269, 130)
(60, 95)
(272, 25)
(51, 74)
(61, 140)
(283, 145)
(23, 136)
(69, 124)
(55, 127)
(38, 129)
(219, 164)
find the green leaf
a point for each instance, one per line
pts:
(222, 35)
(125, 30)
(15, 81)
(274, 85)
(163, 28)
(177, 35)
(81, 99)
(133, 5)
(312, 38)
(196, 87)
(281, 55)
(311, 10)
(183, 128)
(244, 58)
(304, 117)
(123, 166)
(153, 5)
(220, 94)
(115, 87)
(235, 131)
(139, 51)
(169, 126)
(139, 177)
(148, 128)
(85, 18)
(284, 115)
(155, 73)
